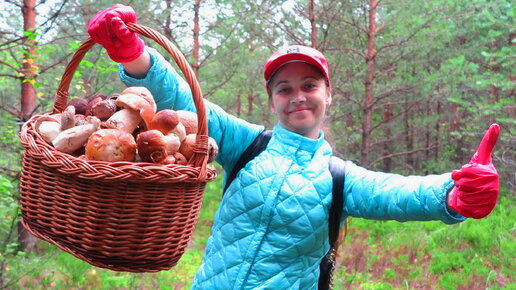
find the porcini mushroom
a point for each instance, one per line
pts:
(111, 145)
(138, 104)
(80, 105)
(74, 138)
(151, 146)
(142, 92)
(164, 121)
(154, 146)
(187, 147)
(126, 120)
(189, 120)
(49, 126)
(103, 109)
(68, 118)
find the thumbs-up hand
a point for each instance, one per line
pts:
(476, 183)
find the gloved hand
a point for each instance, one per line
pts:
(476, 183)
(108, 29)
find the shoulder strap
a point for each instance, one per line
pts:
(337, 204)
(259, 144)
(337, 169)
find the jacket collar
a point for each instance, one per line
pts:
(298, 141)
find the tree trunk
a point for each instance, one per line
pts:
(30, 69)
(387, 148)
(312, 18)
(250, 99)
(195, 66)
(437, 131)
(409, 138)
(167, 30)
(27, 241)
(239, 105)
(369, 85)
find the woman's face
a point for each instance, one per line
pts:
(299, 96)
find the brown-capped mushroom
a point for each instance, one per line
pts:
(111, 145)
(103, 109)
(189, 120)
(138, 104)
(154, 146)
(80, 105)
(142, 92)
(164, 121)
(187, 147)
(92, 100)
(151, 146)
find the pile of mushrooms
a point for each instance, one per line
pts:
(123, 127)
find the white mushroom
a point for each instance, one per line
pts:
(74, 138)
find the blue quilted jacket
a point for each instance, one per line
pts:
(271, 229)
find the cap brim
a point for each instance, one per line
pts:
(291, 57)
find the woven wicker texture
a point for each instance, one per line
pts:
(123, 216)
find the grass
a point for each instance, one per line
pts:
(476, 254)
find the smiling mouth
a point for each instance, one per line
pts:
(297, 110)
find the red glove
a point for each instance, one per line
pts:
(476, 183)
(108, 29)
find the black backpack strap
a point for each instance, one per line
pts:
(259, 144)
(337, 169)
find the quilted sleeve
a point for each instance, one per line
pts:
(386, 196)
(171, 91)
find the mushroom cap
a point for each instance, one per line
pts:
(137, 103)
(103, 109)
(165, 121)
(80, 105)
(142, 92)
(111, 145)
(152, 146)
(189, 120)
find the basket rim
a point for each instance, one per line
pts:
(198, 169)
(36, 147)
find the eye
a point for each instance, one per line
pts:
(310, 85)
(282, 90)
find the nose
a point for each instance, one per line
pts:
(298, 98)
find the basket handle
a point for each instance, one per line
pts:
(200, 156)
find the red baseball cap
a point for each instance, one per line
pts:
(296, 53)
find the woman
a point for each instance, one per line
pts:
(271, 229)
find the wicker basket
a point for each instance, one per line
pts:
(123, 216)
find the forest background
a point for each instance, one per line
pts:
(415, 86)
